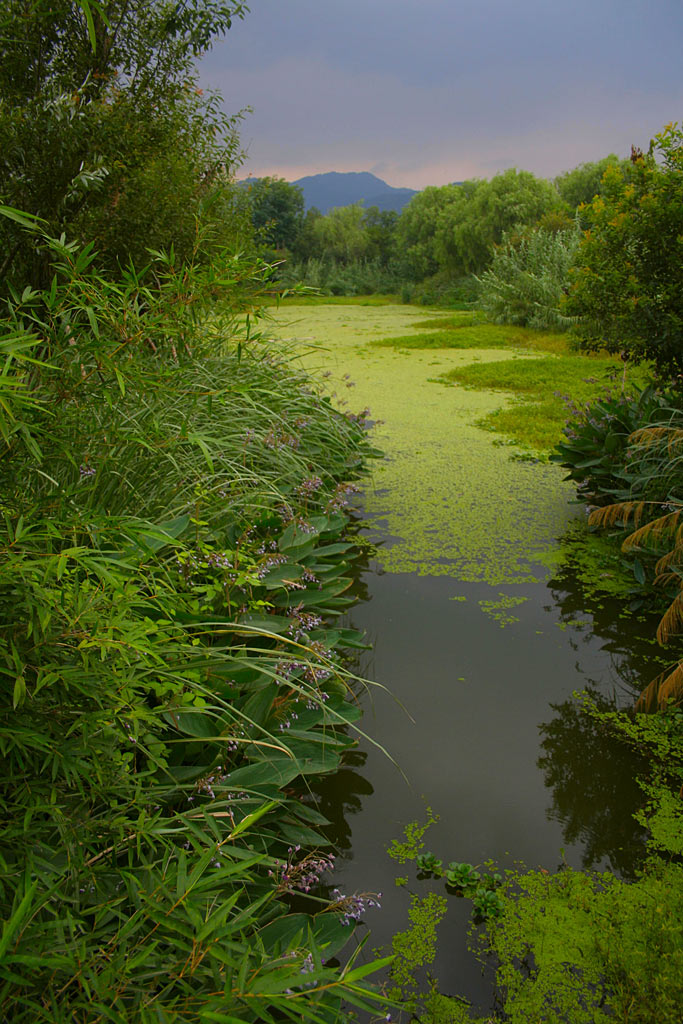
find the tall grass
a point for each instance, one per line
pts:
(173, 500)
(332, 277)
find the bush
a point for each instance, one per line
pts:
(358, 277)
(597, 447)
(443, 290)
(627, 288)
(528, 278)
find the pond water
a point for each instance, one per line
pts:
(480, 635)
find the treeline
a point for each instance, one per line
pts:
(442, 240)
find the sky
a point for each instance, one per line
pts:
(425, 92)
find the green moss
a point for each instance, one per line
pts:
(596, 561)
(416, 946)
(408, 849)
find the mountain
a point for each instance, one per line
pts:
(325, 191)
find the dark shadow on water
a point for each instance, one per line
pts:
(591, 777)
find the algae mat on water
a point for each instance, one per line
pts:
(445, 499)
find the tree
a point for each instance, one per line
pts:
(111, 142)
(381, 230)
(581, 185)
(511, 199)
(341, 235)
(277, 211)
(627, 288)
(419, 224)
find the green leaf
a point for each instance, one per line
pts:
(19, 692)
(27, 220)
(12, 925)
(252, 818)
(85, 7)
(280, 575)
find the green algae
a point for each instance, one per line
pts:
(500, 610)
(445, 500)
(596, 562)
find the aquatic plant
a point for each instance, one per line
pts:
(428, 864)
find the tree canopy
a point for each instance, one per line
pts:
(277, 211)
(111, 142)
(627, 288)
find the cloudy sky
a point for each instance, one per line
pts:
(423, 92)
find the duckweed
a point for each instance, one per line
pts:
(445, 500)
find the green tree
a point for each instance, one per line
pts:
(305, 247)
(381, 229)
(582, 184)
(277, 211)
(341, 235)
(466, 236)
(111, 142)
(627, 285)
(419, 226)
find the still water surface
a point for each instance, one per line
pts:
(487, 734)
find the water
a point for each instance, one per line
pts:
(483, 727)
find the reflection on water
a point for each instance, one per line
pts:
(339, 796)
(592, 781)
(482, 723)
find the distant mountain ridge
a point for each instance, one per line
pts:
(336, 188)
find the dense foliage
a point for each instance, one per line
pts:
(277, 210)
(628, 284)
(173, 501)
(104, 134)
(528, 277)
(444, 235)
(172, 569)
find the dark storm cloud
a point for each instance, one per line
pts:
(441, 90)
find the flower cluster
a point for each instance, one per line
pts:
(353, 907)
(270, 545)
(269, 563)
(284, 669)
(314, 674)
(303, 623)
(278, 440)
(207, 786)
(361, 418)
(86, 471)
(309, 486)
(340, 498)
(190, 562)
(303, 875)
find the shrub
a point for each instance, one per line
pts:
(528, 278)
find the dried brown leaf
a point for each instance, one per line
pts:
(664, 688)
